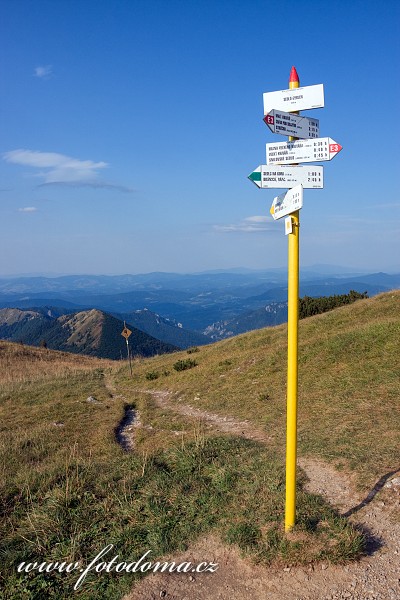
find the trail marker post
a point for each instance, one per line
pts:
(126, 333)
(292, 360)
(282, 170)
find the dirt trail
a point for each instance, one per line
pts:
(374, 577)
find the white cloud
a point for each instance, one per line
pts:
(245, 228)
(257, 219)
(28, 209)
(59, 168)
(43, 72)
(253, 224)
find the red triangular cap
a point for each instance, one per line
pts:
(294, 76)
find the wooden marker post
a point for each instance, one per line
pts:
(126, 333)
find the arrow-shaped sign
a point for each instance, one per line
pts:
(311, 177)
(302, 98)
(285, 204)
(290, 124)
(313, 150)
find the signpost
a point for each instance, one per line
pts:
(315, 150)
(299, 98)
(126, 333)
(290, 124)
(295, 177)
(285, 204)
(310, 177)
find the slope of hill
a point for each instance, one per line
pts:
(274, 313)
(349, 362)
(166, 330)
(193, 471)
(92, 332)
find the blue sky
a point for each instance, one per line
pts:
(128, 129)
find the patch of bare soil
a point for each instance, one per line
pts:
(125, 431)
(218, 422)
(374, 577)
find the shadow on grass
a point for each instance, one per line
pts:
(377, 488)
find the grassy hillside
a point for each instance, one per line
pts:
(68, 489)
(349, 384)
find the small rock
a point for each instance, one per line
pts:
(324, 566)
(163, 593)
(191, 578)
(393, 482)
(287, 569)
(92, 399)
(58, 424)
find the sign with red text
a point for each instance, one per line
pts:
(312, 150)
(290, 124)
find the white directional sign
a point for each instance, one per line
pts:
(313, 150)
(265, 177)
(290, 124)
(285, 204)
(302, 98)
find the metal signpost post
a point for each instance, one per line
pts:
(281, 115)
(126, 333)
(292, 361)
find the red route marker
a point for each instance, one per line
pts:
(294, 78)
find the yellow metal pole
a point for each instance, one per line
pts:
(292, 367)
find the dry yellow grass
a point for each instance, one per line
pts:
(21, 364)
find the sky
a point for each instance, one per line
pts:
(128, 129)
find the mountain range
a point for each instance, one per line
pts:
(172, 310)
(91, 332)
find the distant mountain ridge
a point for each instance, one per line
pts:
(164, 329)
(92, 332)
(187, 310)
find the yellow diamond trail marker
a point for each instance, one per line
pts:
(126, 332)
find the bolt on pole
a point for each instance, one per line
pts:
(292, 364)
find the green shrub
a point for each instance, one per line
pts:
(150, 375)
(192, 350)
(182, 365)
(309, 306)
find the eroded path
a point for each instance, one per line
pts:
(374, 577)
